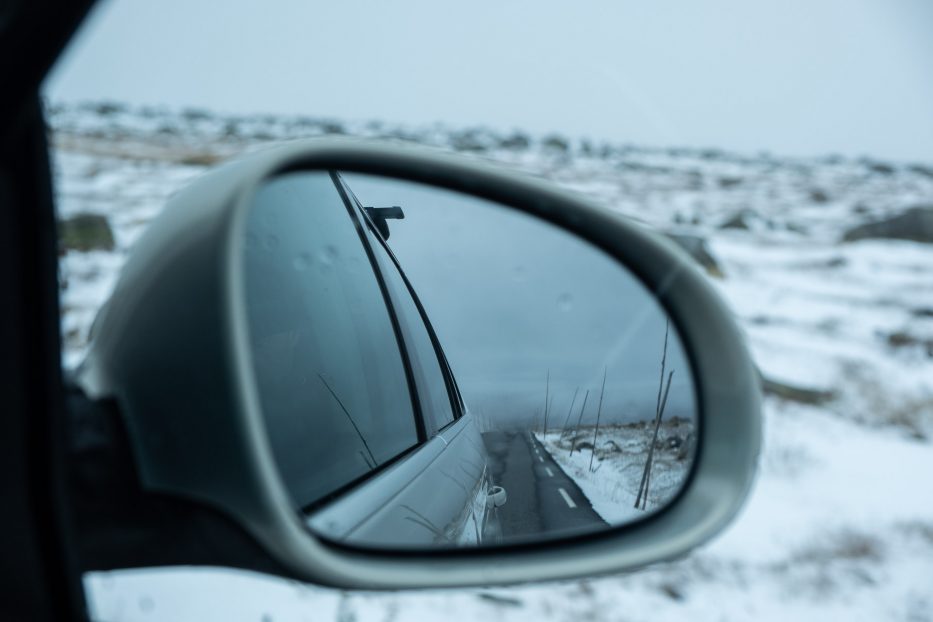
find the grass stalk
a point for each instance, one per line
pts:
(573, 442)
(657, 406)
(563, 430)
(599, 411)
(646, 475)
(352, 422)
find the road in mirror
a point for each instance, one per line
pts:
(435, 370)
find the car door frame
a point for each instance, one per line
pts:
(381, 492)
(41, 578)
(452, 388)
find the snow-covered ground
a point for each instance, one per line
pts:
(840, 523)
(610, 476)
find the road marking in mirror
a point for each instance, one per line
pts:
(563, 493)
(549, 472)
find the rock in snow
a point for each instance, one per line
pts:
(86, 232)
(916, 224)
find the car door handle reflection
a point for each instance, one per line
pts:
(496, 497)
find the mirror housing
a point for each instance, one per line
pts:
(170, 348)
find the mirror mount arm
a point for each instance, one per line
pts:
(379, 216)
(121, 525)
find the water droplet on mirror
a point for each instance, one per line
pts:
(329, 255)
(302, 261)
(565, 302)
(146, 604)
(271, 242)
(519, 274)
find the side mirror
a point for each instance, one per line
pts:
(360, 405)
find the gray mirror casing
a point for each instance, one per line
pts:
(170, 347)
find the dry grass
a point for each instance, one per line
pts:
(847, 546)
(920, 529)
(170, 150)
(879, 406)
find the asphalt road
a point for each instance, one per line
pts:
(542, 499)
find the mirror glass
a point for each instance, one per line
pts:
(437, 370)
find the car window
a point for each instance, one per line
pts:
(427, 365)
(330, 374)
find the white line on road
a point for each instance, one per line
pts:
(540, 459)
(563, 493)
(549, 473)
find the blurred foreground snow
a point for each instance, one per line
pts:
(840, 523)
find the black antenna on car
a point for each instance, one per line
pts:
(379, 215)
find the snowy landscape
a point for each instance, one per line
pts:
(610, 475)
(827, 264)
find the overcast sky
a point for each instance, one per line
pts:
(515, 300)
(794, 77)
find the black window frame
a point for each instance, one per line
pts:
(422, 435)
(453, 390)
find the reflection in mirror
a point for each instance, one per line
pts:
(436, 370)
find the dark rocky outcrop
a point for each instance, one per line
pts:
(916, 224)
(794, 393)
(730, 182)
(818, 195)
(85, 232)
(903, 339)
(739, 220)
